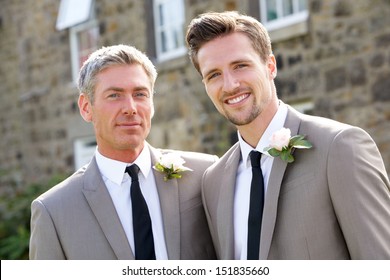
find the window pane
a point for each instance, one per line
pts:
(87, 43)
(302, 5)
(160, 15)
(177, 38)
(287, 7)
(169, 15)
(164, 42)
(271, 10)
(278, 14)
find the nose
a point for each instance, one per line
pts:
(230, 82)
(129, 106)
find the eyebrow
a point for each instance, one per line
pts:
(119, 89)
(231, 63)
(114, 89)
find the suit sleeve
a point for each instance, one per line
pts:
(359, 189)
(44, 242)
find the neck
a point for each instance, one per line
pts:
(125, 155)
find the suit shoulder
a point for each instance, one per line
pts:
(232, 155)
(193, 156)
(327, 128)
(66, 188)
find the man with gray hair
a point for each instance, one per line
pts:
(132, 201)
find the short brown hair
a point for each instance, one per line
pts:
(211, 25)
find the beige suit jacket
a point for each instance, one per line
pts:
(333, 202)
(77, 218)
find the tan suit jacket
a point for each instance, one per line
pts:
(333, 202)
(77, 218)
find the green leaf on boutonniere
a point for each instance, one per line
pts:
(302, 144)
(274, 152)
(282, 144)
(286, 156)
(171, 165)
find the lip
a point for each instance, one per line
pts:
(128, 124)
(236, 99)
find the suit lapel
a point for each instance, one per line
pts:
(170, 208)
(103, 208)
(272, 197)
(225, 211)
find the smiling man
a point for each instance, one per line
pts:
(118, 206)
(331, 201)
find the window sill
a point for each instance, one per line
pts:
(161, 58)
(172, 63)
(290, 27)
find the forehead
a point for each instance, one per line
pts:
(123, 76)
(226, 49)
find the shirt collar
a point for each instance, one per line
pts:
(144, 161)
(115, 170)
(276, 123)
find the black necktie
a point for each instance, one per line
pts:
(142, 225)
(255, 207)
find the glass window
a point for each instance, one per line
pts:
(281, 13)
(169, 28)
(79, 17)
(84, 149)
(83, 41)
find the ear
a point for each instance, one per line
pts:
(85, 107)
(271, 63)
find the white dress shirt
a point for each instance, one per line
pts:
(118, 184)
(244, 178)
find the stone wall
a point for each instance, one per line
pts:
(342, 66)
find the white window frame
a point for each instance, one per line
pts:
(174, 15)
(78, 16)
(74, 45)
(73, 12)
(282, 21)
(84, 149)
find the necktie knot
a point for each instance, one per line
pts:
(133, 170)
(255, 157)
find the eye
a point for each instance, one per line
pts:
(241, 65)
(141, 94)
(113, 95)
(212, 76)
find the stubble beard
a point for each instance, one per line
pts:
(255, 111)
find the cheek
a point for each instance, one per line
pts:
(103, 117)
(212, 92)
(151, 110)
(146, 112)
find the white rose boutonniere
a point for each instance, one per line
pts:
(282, 144)
(172, 165)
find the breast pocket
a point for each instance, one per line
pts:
(296, 184)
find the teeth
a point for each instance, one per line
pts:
(237, 99)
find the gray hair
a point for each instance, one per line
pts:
(112, 56)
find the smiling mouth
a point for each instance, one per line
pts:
(237, 99)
